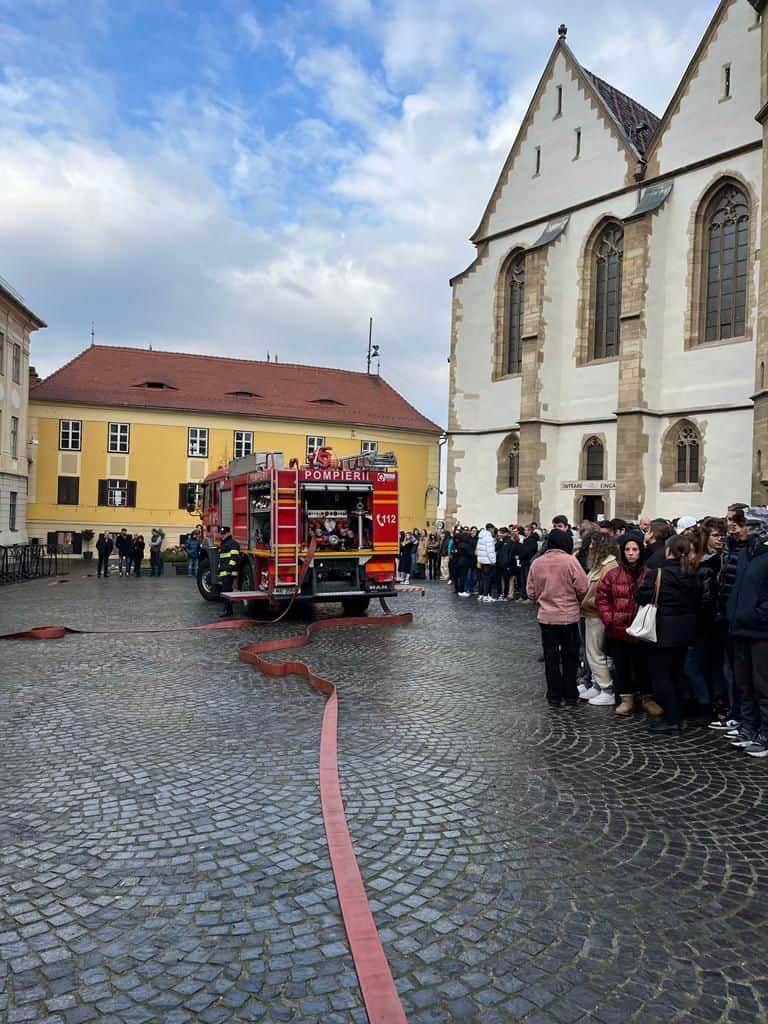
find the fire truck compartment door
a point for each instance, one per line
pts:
(366, 488)
(226, 509)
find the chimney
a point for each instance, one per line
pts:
(34, 378)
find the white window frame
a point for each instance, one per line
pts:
(117, 493)
(369, 447)
(72, 431)
(16, 364)
(243, 443)
(14, 437)
(118, 438)
(13, 506)
(197, 442)
(314, 441)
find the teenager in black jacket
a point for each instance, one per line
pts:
(747, 613)
(681, 596)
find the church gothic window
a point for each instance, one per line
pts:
(508, 463)
(687, 451)
(594, 459)
(726, 265)
(608, 260)
(682, 457)
(515, 314)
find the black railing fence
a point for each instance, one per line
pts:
(20, 562)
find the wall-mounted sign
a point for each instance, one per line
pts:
(588, 485)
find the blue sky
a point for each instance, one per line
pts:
(237, 177)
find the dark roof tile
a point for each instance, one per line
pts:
(149, 379)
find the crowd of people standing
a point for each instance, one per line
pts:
(131, 549)
(707, 580)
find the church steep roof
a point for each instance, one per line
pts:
(637, 122)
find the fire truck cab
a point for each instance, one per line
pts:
(349, 507)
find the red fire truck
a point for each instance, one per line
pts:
(348, 505)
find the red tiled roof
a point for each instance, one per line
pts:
(630, 114)
(112, 375)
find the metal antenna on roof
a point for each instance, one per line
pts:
(370, 336)
(268, 359)
(93, 334)
(275, 356)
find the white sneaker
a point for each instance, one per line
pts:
(463, 593)
(502, 599)
(582, 691)
(589, 692)
(603, 699)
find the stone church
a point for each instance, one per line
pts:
(609, 341)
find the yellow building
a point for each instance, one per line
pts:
(125, 434)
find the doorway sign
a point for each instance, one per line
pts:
(588, 485)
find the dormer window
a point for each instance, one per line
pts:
(242, 394)
(155, 385)
(325, 401)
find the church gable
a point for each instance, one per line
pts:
(713, 108)
(579, 137)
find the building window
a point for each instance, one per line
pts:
(197, 443)
(727, 261)
(70, 435)
(69, 490)
(2, 352)
(369, 447)
(13, 498)
(578, 144)
(117, 493)
(16, 365)
(119, 438)
(513, 465)
(14, 437)
(508, 463)
(594, 459)
(243, 443)
(314, 441)
(687, 448)
(538, 161)
(191, 496)
(726, 81)
(608, 260)
(559, 94)
(515, 314)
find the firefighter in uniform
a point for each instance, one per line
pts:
(229, 565)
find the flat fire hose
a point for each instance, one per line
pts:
(380, 996)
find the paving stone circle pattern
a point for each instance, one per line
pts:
(162, 856)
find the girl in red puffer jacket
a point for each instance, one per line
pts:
(616, 606)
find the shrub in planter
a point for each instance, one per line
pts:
(174, 554)
(87, 536)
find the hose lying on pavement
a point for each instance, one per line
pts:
(380, 996)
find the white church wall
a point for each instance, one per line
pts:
(600, 167)
(706, 122)
(476, 481)
(709, 374)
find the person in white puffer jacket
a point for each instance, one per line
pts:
(486, 557)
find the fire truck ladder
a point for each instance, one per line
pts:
(287, 533)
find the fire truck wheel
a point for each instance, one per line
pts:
(205, 585)
(355, 605)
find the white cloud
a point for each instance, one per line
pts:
(350, 93)
(251, 30)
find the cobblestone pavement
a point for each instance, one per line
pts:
(162, 856)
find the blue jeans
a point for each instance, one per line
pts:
(471, 585)
(155, 564)
(124, 564)
(192, 564)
